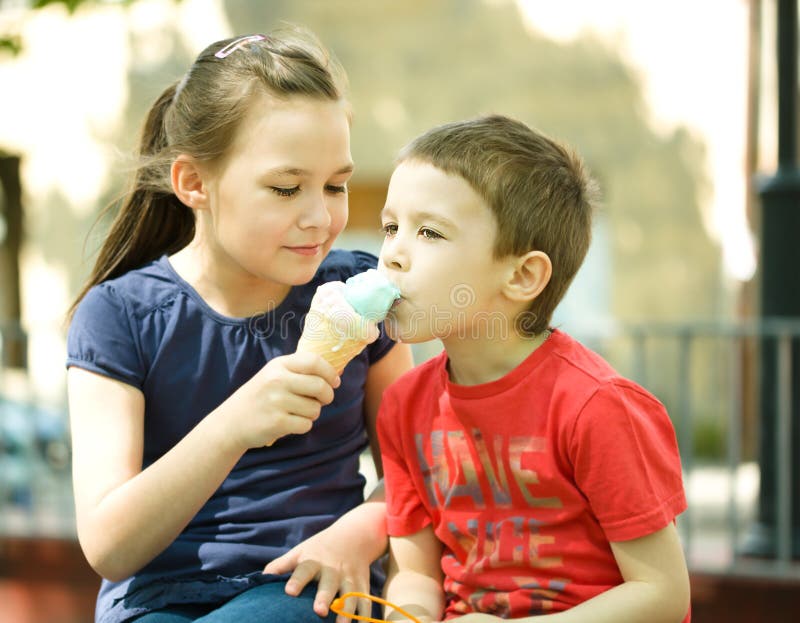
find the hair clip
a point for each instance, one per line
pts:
(236, 44)
(338, 607)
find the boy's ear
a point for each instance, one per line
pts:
(530, 274)
(187, 182)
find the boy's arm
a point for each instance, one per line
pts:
(655, 587)
(414, 579)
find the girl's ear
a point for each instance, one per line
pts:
(187, 182)
(530, 274)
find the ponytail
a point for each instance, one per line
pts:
(151, 221)
(200, 117)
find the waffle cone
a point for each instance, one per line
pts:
(321, 335)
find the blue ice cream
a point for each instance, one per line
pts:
(371, 294)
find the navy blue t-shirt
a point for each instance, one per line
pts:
(152, 330)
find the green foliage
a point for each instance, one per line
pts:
(709, 439)
(10, 44)
(70, 4)
(74, 4)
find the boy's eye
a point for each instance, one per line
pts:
(282, 191)
(390, 229)
(430, 234)
(333, 188)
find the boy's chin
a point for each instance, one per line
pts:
(391, 329)
(403, 334)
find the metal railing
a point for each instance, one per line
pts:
(707, 374)
(35, 484)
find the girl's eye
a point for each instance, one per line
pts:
(429, 234)
(285, 192)
(332, 188)
(390, 229)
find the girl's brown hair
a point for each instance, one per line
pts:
(199, 116)
(539, 191)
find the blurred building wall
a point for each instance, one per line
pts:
(77, 92)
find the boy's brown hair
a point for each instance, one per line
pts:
(539, 191)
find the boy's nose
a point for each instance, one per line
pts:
(393, 256)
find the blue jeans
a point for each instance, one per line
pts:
(267, 603)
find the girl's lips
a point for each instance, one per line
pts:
(307, 250)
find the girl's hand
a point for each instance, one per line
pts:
(285, 397)
(338, 558)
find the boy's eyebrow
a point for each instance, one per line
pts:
(422, 215)
(430, 216)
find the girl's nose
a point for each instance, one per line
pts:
(315, 213)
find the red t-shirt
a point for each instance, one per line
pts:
(526, 479)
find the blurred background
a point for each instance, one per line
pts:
(685, 111)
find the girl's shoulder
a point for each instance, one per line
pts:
(153, 288)
(341, 264)
(140, 290)
(115, 325)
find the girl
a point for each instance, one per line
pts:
(204, 448)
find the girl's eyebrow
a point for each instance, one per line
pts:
(297, 172)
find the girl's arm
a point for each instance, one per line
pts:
(339, 556)
(126, 515)
(381, 375)
(655, 587)
(414, 580)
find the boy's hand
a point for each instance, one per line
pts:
(285, 397)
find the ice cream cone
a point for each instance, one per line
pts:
(325, 336)
(334, 329)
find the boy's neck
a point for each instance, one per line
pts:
(473, 362)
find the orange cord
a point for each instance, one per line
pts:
(338, 607)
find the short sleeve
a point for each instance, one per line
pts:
(405, 512)
(627, 463)
(101, 338)
(375, 351)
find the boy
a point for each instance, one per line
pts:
(524, 476)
